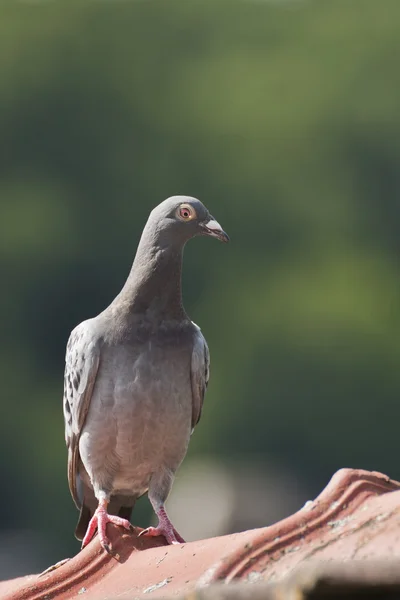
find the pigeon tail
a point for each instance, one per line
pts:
(84, 517)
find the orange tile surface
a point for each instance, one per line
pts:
(355, 517)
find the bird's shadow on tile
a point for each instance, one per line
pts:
(123, 545)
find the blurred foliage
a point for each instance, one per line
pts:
(283, 117)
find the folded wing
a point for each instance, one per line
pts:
(81, 365)
(200, 372)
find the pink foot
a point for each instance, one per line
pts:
(99, 521)
(164, 528)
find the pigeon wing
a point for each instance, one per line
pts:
(81, 365)
(200, 372)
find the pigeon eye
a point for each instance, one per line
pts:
(186, 212)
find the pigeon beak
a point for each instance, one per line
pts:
(214, 229)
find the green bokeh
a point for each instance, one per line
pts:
(283, 117)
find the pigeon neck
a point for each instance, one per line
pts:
(154, 283)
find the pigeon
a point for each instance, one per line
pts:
(135, 380)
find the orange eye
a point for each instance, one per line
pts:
(186, 212)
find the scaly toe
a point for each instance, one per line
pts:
(91, 530)
(99, 521)
(150, 532)
(179, 537)
(156, 531)
(118, 521)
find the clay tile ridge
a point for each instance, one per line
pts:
(353, 517)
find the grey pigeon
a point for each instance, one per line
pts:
(135, 379)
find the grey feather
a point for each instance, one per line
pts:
(200, 374)
(136, 376)
(81, 365)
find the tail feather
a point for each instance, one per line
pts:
(84, 517)
(125, 512)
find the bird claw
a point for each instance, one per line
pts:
(107, 548)
(149, 531)
(99, 521)
(171, 535)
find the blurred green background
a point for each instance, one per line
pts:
(283, 118)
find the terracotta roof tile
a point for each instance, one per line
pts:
(353, 518)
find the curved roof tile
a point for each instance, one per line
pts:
(353, 518)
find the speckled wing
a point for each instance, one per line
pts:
(200, 372)
(81, 365)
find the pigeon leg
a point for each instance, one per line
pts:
(164, 528)
(99, 521)
(159, 488)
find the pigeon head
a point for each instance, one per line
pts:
(180, 218)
